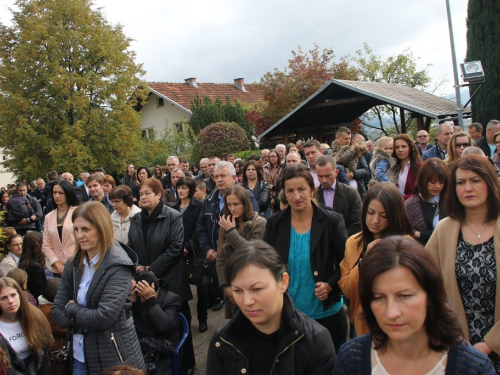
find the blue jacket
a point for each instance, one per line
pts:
(354, 358)
(433, 152)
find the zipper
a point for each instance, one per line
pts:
(234, 347)
(116, 347)
(284, 350)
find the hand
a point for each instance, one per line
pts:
(69, 303)
(33, 217)
(417, 234)
(227, 222)
(23, 222)
(229, 294)
(185, 252)
(133, 291)
(145, 291)
(211, 255)
(58, 266)
(322, 290)
(371, 244)
(483, 348)
(350, 175)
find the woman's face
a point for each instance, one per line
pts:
(497, 142)
(292, 149)
(58, 195)
(157, 171)
(400, 305)
(251, 173)
(107, 187)
(142, 175)
(298, 193)
(119, 206)
(9, 302)
(5, 198)
(183, 192)
(402, 149)
(273, 158)
(86, 234)
(195, 169)
(235, 206)
(16, 246)
(376, 218)
(434, 186)
(471, 189)
(260, 297)
(461, 143)
(149, 200)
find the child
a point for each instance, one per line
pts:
(382, 160)
(201, 190)
(21, 277)
(18, 208)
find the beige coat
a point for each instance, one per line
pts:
(7, 264)
(52, 247)
(443, 247)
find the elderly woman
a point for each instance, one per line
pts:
(125, 210)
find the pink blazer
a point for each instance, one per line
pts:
(53, 248)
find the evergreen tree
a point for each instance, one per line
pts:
(483, 28)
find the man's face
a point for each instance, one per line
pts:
(171, 164)
(474, 134)
(204, 167)
(95, 190)
(357, 139)
(343, 139)
(490, 132)
(422, 137)
(68, 177)
(312, 154)
(265, 155)
(22, 191)
(40, 184)
(184, 166)
(223, 179)
(211, 165)
(326, 175)
(370, 146)
(299, 146)
(174, 176)
(199, 194)
(231, 159)
(292, 158)
(281, 152)
(444, 136)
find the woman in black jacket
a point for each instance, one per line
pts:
(190, 209)
(311, 242)
(267, 335)
(33, 262)
(254, 182)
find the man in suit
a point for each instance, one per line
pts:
(342, 198)
(487, 144)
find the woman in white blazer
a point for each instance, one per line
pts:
(125, 209)
(58, 236)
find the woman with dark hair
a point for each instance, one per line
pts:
(383, 214)
(25, 333)
(426, 206)
(466, 245)
(267, 335)
(58, 238)
(238, 224)
(125, 209)
(196, 170)
(253, 181)
(143, 174)
(404, 173)
(311, 242)
(33, 262)
(411, 327)
(238, 166)
(11, 253)
(190, 210)
(456, 145)
(158, 174)
(92, 298)
(272, 173)
(4, 198)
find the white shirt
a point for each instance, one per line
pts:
(403, 175)
(13, 334)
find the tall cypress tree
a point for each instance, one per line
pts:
(483, 43)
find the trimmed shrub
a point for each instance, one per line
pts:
(243, 155)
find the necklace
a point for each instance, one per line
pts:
(11, 319)
(473, 231)
(60, 220)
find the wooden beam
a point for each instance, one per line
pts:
(402, 118)
(333, 102)
(420, 123)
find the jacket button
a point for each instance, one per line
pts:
(296, 332)
(243, 370)
(316, 273)
(217, 344)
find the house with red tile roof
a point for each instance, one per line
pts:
(169, 104)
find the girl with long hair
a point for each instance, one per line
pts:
(456, 145)
(254, 182)
(33, 262)
(404, 173)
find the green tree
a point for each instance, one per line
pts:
(68, 85)
(483, 28)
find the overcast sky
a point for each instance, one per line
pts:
(219, 40)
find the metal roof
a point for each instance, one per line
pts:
(339, 102)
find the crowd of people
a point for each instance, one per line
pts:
(351, 258)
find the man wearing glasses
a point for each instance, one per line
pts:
(423, 142)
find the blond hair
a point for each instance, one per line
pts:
(383, 141)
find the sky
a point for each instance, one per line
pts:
(219, 40)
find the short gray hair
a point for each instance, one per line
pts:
(439, 128)
(173, 157)
(492, 123)
(226, 164)
(280, 145)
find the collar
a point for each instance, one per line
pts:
(93, 261)
(15, 257)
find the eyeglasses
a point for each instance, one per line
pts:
(464, 145)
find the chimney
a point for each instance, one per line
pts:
(191, 81)
(239, 83)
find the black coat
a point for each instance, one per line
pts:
(305, 347)
(36, 278)
(482, 143)
(328, 237)
(162, 249)
(190, 220)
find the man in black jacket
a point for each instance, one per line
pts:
(487, 144)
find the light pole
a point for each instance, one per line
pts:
(455, 69)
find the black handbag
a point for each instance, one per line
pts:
(60, 359)
(196, 268)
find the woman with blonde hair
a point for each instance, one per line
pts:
(456, 145)
(18, 318)
(92, 298)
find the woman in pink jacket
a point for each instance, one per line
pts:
(58, 237)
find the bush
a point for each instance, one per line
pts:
(219, 138)
(243, 155)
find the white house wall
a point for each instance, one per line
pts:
(154, 117)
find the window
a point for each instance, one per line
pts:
(179, 128)
(161, 102)
(148, 133)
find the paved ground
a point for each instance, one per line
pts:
(201, 340)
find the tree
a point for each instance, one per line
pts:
(68, 85)
(306, 73)
(400, 69)
(483, 28)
